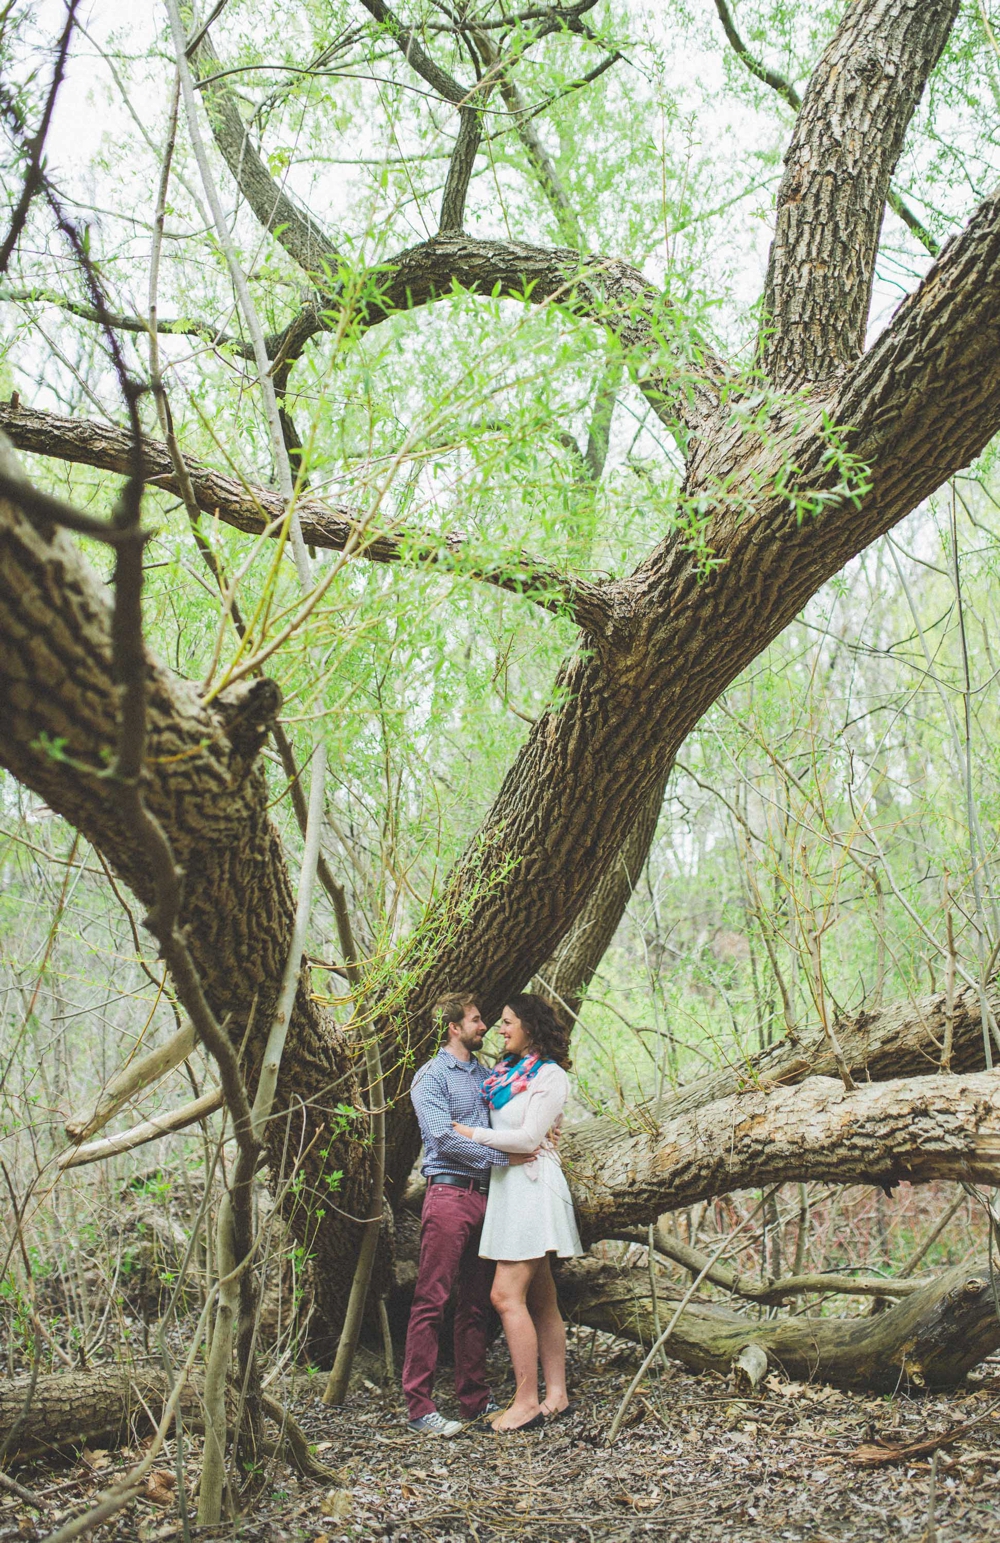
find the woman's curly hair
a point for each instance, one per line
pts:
(548, 1035)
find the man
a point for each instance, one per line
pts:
(448, 1088)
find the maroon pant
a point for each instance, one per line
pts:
(451, 1226)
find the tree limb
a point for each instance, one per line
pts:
(146, 1131)
(775, 1291)
(844, 149)
(787, 91)
(295, 229)
(917, 1129)
(683, 391)
(138, 1074)
(258, 510)
(202, 781)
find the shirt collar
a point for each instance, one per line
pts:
(468, 1065)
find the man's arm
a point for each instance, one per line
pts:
(546, 1100)
(430, 1100)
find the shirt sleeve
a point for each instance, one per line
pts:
(546, 1101)
(430, 1101)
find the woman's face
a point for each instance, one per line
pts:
(513, 1033)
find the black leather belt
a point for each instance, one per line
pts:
(482, 1185)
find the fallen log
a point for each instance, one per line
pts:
(114, 1404)
(904, 1040)
(932, 1338)
(74, 1409)
(913, 1128)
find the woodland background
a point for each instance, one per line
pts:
(827, 841)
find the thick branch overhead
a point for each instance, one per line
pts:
(261, 511)
(847, 140)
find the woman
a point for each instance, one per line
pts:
(529, 1214)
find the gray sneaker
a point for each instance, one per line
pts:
(435, 1424)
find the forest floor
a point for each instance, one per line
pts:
(693, 1462)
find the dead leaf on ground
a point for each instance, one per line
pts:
(338, 1504)
(160, 1486)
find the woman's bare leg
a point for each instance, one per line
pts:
(511, 1285)
(543, 1304)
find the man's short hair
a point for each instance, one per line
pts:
(451, 1009)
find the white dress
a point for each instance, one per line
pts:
(529, 1212)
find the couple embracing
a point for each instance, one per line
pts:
(497, 1206)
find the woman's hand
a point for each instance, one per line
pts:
(463, 1130)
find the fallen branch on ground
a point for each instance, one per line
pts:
(929, 1339)
(773, 1291)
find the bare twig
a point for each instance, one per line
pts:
(34, 177)
(662, 1339)
(931, 1238)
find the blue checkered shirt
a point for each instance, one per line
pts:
(447, 1089)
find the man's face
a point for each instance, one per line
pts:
(471, 1031)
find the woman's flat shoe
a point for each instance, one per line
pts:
(535, 1423)
(562, 1414)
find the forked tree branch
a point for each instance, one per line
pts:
(143, 1133)
(132, 1079)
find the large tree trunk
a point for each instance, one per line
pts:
(57, 718)
(663, 642)
(929, 1339)
(915, 1129)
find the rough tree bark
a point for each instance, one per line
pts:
(788, 499)
(902, 1042)
(70, 1410)
(57, 727)
(918, 1129)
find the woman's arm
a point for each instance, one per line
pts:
(546, 1101)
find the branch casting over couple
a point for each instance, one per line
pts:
(497, 1206)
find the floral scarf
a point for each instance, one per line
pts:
(510, 1077)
